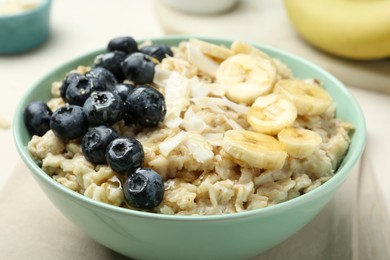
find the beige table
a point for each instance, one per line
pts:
(30, 226)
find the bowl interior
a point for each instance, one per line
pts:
(347, 109)
(42, 4)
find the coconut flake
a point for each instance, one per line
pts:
(198, 146)
(204, 63)
(161, 76)
(177, 87)
(173, 116)
(233, 124)
(214, 139)
(215, 104)
(217, 89)
(193, 123)
(199, 88)
(169, 144)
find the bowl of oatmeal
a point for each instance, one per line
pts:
(24, 24)
(193, 147)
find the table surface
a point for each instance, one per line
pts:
(103, 20)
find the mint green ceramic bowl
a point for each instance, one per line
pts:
(26, 30)
(143, 235)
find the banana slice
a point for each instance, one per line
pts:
(213, 50)
(309, 97)
(299, 142)
(255, 149)
(271, 113)
(245, 48)
(246, 77)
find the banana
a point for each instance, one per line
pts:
(271, 113)
(351, 29)
(245, 48)
(299, 142)
(308, 97)
(255, 149)
(213, 50)
(246, 77)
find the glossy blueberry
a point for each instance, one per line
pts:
(37, 118)
(129, 120)
(146, 106)
(69, 122)
(95, 142)
(78, 91)
(159, 51)
(101, 79)
(69, 78)
(123, 90)
(138, 68)
(144, 189)
(112, 61)
(104, 108)
(126, 44)
(125, 155)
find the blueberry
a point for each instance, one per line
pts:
(144, 189)
(146, 106)
(37, 118)
(123, 90)
(78, 91)
(157, 51)
(97, 85)
(139, 68)
(69, 122)
(125, 155)
(95, 142)
(69, 78)
(101, 79)
(112, 62)
(104, 108)
(126, 44)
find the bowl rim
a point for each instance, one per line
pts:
(38, 8)
(340, 176)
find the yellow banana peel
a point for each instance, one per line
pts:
(356, 29)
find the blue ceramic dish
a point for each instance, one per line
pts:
(26, 30)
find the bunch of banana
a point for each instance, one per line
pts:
(357, 29)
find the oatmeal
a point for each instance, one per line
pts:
(10, 7)
(233, 130)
